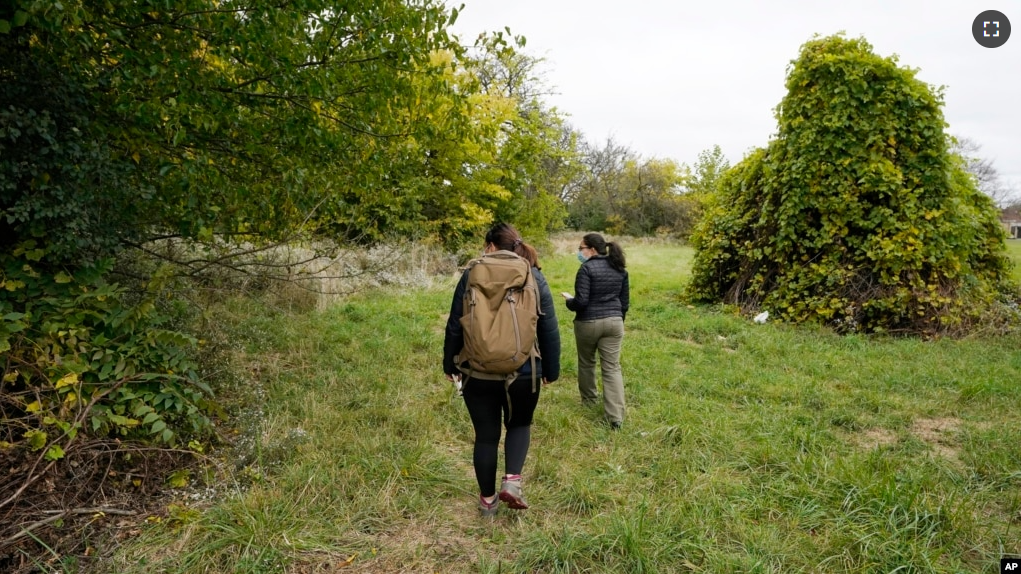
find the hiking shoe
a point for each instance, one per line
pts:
(510, 493)
(488, 509)
(615, 425)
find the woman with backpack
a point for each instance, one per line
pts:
(600, 302)
(501, 396)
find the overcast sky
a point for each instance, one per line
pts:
(670, 78)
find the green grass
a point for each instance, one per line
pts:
(747, 448)
(1014, 250)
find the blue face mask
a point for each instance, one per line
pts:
(581, 257)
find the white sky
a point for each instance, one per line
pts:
(670, 78)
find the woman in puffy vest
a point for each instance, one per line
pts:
(600, 302)
(493, 404)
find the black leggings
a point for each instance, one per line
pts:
(487, 405)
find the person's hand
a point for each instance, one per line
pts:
(456, 380)
(546, 381)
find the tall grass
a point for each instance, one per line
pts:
(1014, 251)
(747, 448)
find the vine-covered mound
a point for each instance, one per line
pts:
(857, 214)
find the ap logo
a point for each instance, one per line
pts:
(1010, 566)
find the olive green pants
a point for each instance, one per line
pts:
(606, 336)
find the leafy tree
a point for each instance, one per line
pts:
(621, 192)
(128, 122)
(707, 171)
(699, 184)
(537, 153)
(651, 200)
(594, 200)
(214, 118)
(856, 215)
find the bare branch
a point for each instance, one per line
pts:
(987, 177)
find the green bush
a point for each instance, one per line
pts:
(82, 356)
(856, 215)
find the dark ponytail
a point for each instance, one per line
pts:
(505, 237)
(613, 251)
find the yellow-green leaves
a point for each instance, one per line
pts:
(55, 452)
(36, 439)
(856, 209)
(179, 478)
(66, 380)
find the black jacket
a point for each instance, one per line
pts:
(547, 331)
(600, 291)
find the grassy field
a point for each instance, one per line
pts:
(1014, 249)
(747, 448)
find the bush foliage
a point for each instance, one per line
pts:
(856, 215)
(84, 355)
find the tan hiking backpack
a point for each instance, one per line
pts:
(501, 312)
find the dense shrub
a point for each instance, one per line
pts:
(83, 355)
(856, 215)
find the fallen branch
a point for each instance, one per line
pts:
(59, 514)
(114, 511)
(28, 529)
